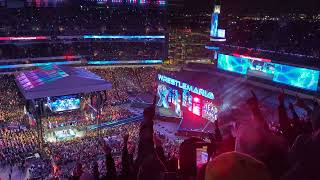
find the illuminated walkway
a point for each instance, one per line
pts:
(116, 123)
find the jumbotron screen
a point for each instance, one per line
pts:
(169, 101)
(63, 103)
(173, 102)
(299, 77)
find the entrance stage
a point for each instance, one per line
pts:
(63, 134)
(58, 89)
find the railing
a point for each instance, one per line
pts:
(116, 122)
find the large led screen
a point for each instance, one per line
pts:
(209, 111)
(233, 64)
(221, 33)
(290, 75)
(169, 101)
(64, 103)
(214, 25)
(297, 77)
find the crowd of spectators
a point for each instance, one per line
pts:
(251, 151)
(285, 36)
(286, 150)
(18, 137)
(10, 98)
(95, 50)
(16, 145)
(128, 82)
(125, 82)
(81, 20)
(65, 154)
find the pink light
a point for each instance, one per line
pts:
(196, 106)
(23, 38)
(196, 110)
(37, 3)
(4, 38)
(252, 58)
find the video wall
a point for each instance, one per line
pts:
(298, 77)
(63, 103)
(169, 99)
(214, 25)
(183, 102)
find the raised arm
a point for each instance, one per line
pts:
(110, 165)
(217, 132)
(254, 106)
(146, 144)
(283, 116)
(300, 103)
(294, 113)
(125, 158)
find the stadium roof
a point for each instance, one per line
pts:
(49, 81)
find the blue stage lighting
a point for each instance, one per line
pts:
(38, 64)
(114, 62)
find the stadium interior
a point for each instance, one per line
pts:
(128, 90)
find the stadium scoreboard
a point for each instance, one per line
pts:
(294, 76)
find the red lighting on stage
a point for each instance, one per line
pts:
(252, 58)
(69, 57)
(196, 106)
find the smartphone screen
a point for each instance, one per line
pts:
(202, 155)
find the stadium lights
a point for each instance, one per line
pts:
(38, 64)
(23, 38)
(252, 58)
(212, 48)
(93, 62)
(218, 39)
(114, 62)
(196, 99)
(121, 37)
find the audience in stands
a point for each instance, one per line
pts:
(81, 20)
(287, 36)
(88, 49)
(252, 149)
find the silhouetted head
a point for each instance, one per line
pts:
(315, 117)
(151, 169)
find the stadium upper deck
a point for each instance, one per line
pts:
(114, 18)
(107, 31)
